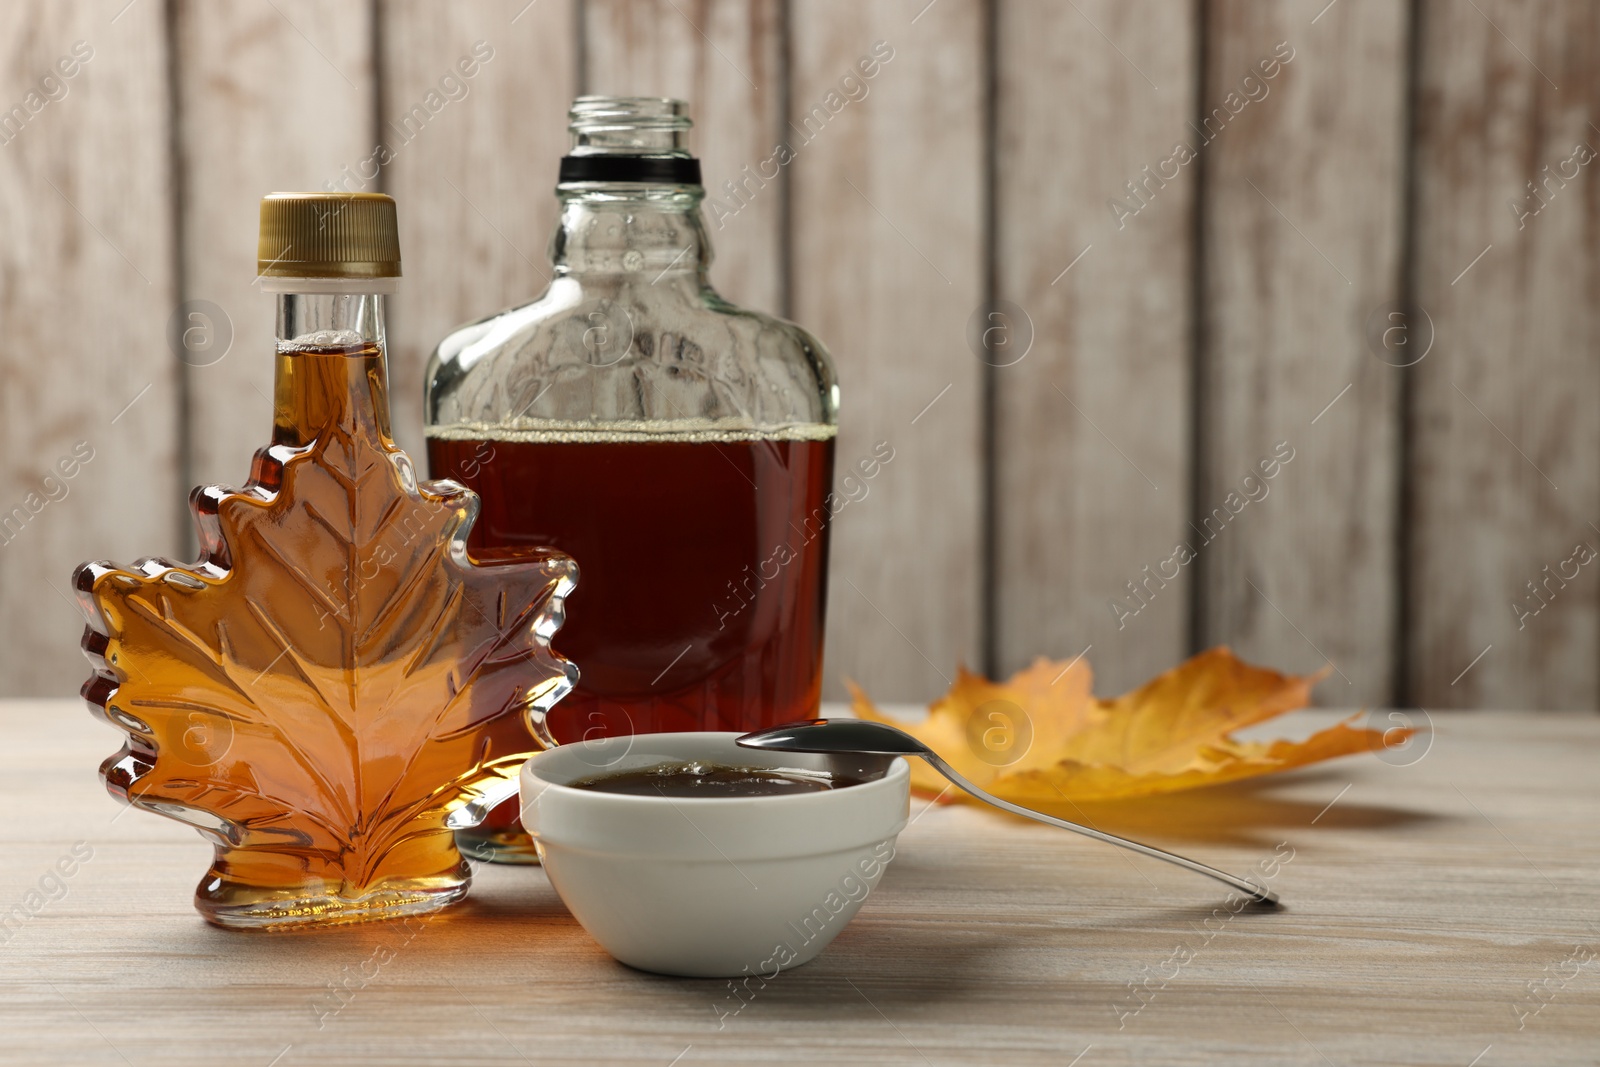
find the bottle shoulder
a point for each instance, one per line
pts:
(624, 350)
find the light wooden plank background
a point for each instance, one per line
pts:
(1092, 426)
(887, 259)
(1507, 441)
(1301, 240)
(1171, 342)
(87, 282)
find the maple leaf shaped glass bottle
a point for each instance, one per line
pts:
(335, 685)
(689, 441)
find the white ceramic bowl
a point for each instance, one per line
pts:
(709, 887)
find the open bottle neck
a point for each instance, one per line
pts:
(331, 373)
(630, 194)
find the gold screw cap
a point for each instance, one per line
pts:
(328, 235)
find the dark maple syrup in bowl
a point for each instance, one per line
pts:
(702, 780)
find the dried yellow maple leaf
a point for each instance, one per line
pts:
(1042, 737)
(336, 677)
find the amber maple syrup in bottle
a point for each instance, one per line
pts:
(679, 448)
(335, 686)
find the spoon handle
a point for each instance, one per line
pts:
(1257, 893)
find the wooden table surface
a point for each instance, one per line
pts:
(1440, 910)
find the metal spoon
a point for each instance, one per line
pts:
(862, 737)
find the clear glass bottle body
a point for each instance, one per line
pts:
(678, 447)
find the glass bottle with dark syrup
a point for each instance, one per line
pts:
(678, 447)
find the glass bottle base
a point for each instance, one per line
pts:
(503, 845)
(238, 906)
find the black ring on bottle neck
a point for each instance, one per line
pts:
(666, 170)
